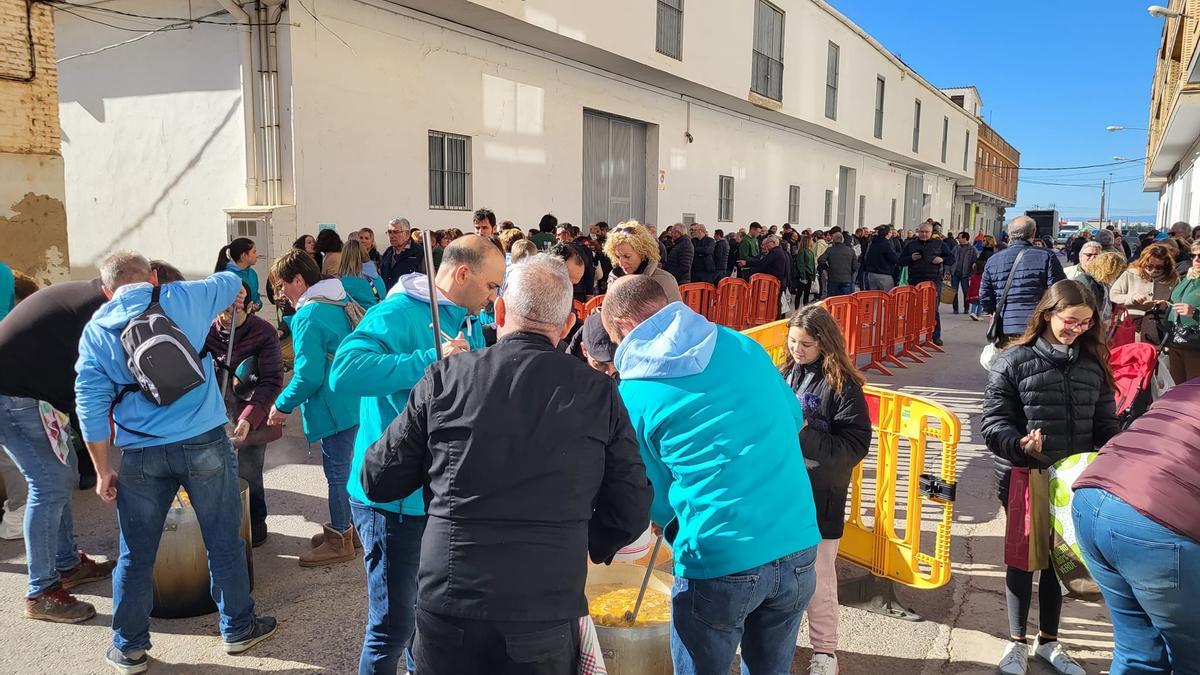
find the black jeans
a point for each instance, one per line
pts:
(803, 292)
(250, 469)
(1018, 594)
(448, 645)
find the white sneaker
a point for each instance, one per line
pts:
(1016, 659)
(1054, 654)
(12, 526)
(823, 664)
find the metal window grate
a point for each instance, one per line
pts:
(725, 199)
(669, 35)
(966, 149)
(945, 137)
(879, 93)
(766, 70)
(916, 146)
(862, 210)
(828, 208)
(449, 171)
(892, 218)
(794, 204)
(832, 68)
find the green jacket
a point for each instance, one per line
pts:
(748, 249)
(806, 264)
(1187, 290)
(382, 361)
(317, 330)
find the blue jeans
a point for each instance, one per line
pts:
(336, 453)
(962, 286)
(1150, 577)
(759, 608)
(391, 553)
(206, 466)
(49, 529)
(839, 289)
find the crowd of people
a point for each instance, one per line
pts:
(475, 539)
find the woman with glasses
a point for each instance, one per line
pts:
(1183, 320)
(1146, 287)
(635, 251)
(1049, 396)
(1089, 251)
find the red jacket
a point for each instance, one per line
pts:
(1154, 465)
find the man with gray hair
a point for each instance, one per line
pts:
(529, 464)
(1032, 271)
(403, 255)
(679, 257)
(774, 261)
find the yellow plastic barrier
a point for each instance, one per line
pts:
(871, 537)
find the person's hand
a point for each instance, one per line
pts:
(1183, 309)
(241, 431)
(1140, 299)
(276, 418)
(655, 529)
(937, 260)
(106, 483)
(916, 256)
(255, 307)
(455, 346)
(1032, 442)
(239, 300)
(741, 263)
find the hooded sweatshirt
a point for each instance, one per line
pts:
(384, 358)
(317, 330)
(730, 486)
(249, 276)
(102, 369)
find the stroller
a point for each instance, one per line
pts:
(1134, 366)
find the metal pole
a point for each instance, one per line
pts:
(229, 351)
(433, 302)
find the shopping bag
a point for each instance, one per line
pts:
(1027, 532)
(949, 294)
(903, 277)
(1162, 380)
(1065, 556)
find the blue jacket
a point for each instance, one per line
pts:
(249, 276)
(365, 291)
(317, 330)
(102, 369)
(8, 296)
(1040, 269)
(722, 453)
(382, 361)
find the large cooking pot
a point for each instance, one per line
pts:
(642, 650)
(181, 582)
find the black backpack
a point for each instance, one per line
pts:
(160, 356)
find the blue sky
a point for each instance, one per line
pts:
(1052, 75)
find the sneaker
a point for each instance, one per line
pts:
(58, 606)
(823, 664)
(86, 572)
(264, 627)
(1054, 654)
(1016, 659)
(937, 341)
(134, 662)
(974, 317)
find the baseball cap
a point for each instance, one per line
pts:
(596, 340)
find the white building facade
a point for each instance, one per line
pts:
(660, 110)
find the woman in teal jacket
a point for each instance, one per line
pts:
(365, 290)
(1185, 314)
(239, 257)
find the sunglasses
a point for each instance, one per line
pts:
(628, 229)
(1195, 255)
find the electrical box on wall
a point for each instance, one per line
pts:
(273, 229)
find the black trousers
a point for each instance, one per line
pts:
(448, 645)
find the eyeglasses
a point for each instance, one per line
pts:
(1195, 255)
(1160, 268)
(1075, 324)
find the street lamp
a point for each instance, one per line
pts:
(1160, 12)
(1114, 127)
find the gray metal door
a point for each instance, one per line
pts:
(914, 199)
(846, 188)
(614, 169)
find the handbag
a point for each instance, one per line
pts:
(1187, 337)
(996, 327)
(1069, 564)
(949, 294)
(1122, 330)
(1027, 531)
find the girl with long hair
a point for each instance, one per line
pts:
(239, 257)
(835, 438)
(1049, 396)
(306, 243)
(806, 270)
(365, 290)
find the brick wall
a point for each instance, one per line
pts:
(28, 110)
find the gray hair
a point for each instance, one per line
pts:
(1022, 227)
(1181, 228)
(678, 227)
(1105, 237)
(537, 290)
(400, 223)
(837, 238)
(124, 267)
(700, 226)
(1091, 245)
(772, 239)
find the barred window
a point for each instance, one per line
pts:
(669, 38)
(449, 171)
(793, 204)
(725, 199)
(766, 76)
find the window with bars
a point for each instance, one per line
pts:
(916, 126)
(966, 149)
(828, 208)
(449, 171)
(945, 137)
(831, 81)
(725, 199)
(766, 76)
(793, 204)
(669, 38)
(879, 91)
(862, 210)
(892, 218)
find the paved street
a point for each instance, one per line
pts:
(321, 610)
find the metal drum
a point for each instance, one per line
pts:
(181, 581)
(644, 650)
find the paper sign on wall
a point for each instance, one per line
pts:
(662, 179)
(326, 226)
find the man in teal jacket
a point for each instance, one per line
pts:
(318, 327)
(381, 361)
(731, 491)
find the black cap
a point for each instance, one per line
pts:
(596, 340)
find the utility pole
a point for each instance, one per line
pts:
(1102, 185)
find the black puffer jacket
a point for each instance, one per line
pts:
(835, 438)
(1065, 394)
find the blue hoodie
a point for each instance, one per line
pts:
(383, 359)
(102, 368)
(249, 276)
(719, 433)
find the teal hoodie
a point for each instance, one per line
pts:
(249, 276)
(8, 298)
(382, 361)
(719, 433)
(102, 369)
(317, 330)
(366, 292)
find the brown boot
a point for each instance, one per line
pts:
(319, 538)
(86, 572)
(58, 606)
(335, 547)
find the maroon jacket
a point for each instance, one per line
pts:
(1154, 465)
(258, 338)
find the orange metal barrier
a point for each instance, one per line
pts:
(701, 297)
(764, 299)
(580, 312)
(843, 309)
(870, 328)
(592, 305)
(927, 292)
(906, 307)
(733, 302)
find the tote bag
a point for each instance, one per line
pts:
(1027, 532)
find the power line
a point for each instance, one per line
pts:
(116, 27)
(177, 19)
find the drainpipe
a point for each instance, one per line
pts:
(272, 147)
(247, 54)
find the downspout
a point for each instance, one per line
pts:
(247, 54)
(273, 152)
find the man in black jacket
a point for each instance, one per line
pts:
(529, 461)
(924, 257)
(774, 261)
(720, 256)
(680, 255)
(880, 261)
(704, 266)
(403, 256)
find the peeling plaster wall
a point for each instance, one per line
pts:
(33, 221)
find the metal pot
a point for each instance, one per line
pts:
(642, 650)
(181, 582)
